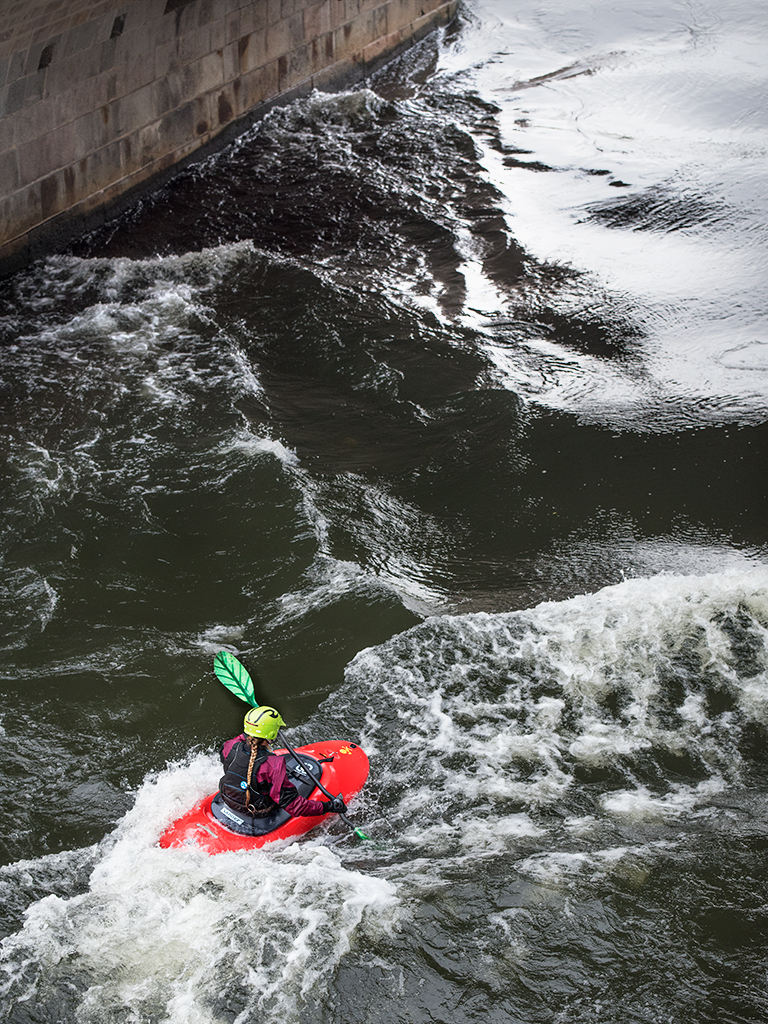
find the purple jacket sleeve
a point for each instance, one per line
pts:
(273, 772)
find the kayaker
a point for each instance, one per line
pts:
(255, 781)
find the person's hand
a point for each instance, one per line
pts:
(335, 805)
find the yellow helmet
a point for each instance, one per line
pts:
(264, 722)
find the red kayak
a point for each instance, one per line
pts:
(215, 828)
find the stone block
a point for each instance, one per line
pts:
(98, 170)
(129, 112)
(51, 196)
(220, 9)
(131, 75)
(378, 18)
(225, 107)
(86, 96)
(230, 56)
(62, 76)
(232, 27)
(177, 127)
(140, 12)
(126, 152)
(93, 130)
(42, 33)
(202, 117)
(253, 51)
(317, 19)
(201, 77)
(34, 53)
(167, 60)
(119, 115)
(14, 97)
(164, 30)
(337, 75)
(26, 211)
(107, 55)
(47, 153)
(295, 67)
(185, 19)
(61, 192)
(40, 119)
(401, 13)
(35, 89)
(218, 34)
(8, 132)
(146, 142)
(284, 36)
(258, 86)
(338, 13)
(351, 9)
(253, 17)
(105, 22)
(328, 46)
(5, 63)
(10, 216)
(134, 44)
(320, 53)
(376, 50)
(274, 10)
(192, 45)
(211, 72)
(9, 171)
(204, 12)
(168, 92)
(80, 38)
(260, 12)
(355, 35)
(16, 66)
(283, 81)
(420, 26)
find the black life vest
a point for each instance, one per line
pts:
(251, 799)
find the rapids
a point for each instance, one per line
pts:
(443, 403)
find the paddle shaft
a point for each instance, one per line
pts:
(317, 782)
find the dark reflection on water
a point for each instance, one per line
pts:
(655, 211)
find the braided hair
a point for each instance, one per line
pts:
(256, 743)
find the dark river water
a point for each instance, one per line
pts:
(444, 404)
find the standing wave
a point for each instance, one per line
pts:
(598, 759)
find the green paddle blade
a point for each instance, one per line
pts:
(356, 831)
(234, 676)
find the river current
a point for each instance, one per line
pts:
(443, 403)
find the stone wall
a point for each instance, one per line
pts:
(101, 99)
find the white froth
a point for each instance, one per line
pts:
(627, 672)
(642, 805)
(165, 932)
(557, 867)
